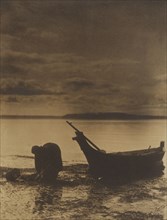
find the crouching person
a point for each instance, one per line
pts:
(48, 162)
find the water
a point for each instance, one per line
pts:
(79, 196)
(18, 136)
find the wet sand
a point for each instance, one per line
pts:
(78, 196)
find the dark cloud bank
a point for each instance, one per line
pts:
(81, 56)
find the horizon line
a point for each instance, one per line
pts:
(94, 114)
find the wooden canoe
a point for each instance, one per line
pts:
(137, 162)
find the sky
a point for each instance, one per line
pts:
(61, 57)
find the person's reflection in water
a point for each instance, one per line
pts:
(47, 199)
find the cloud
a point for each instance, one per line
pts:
(24, 88)
(33, 65)
(10, 56)
(79, 83)
(94, 29)
(100, 55)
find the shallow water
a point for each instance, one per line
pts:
(76, 195)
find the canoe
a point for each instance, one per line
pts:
(124, 164)
(128, 163)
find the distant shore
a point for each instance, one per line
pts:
(88, 116)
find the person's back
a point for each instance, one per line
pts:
(52, 161)
(48, 161)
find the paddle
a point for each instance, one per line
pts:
(97, 148)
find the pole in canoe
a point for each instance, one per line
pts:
(97, 148)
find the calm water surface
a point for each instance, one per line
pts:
(83, 198)
(18, 136)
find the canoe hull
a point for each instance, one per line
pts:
(122, 164)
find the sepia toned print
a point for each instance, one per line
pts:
(83, 109)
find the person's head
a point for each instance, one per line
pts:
(35, 149)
